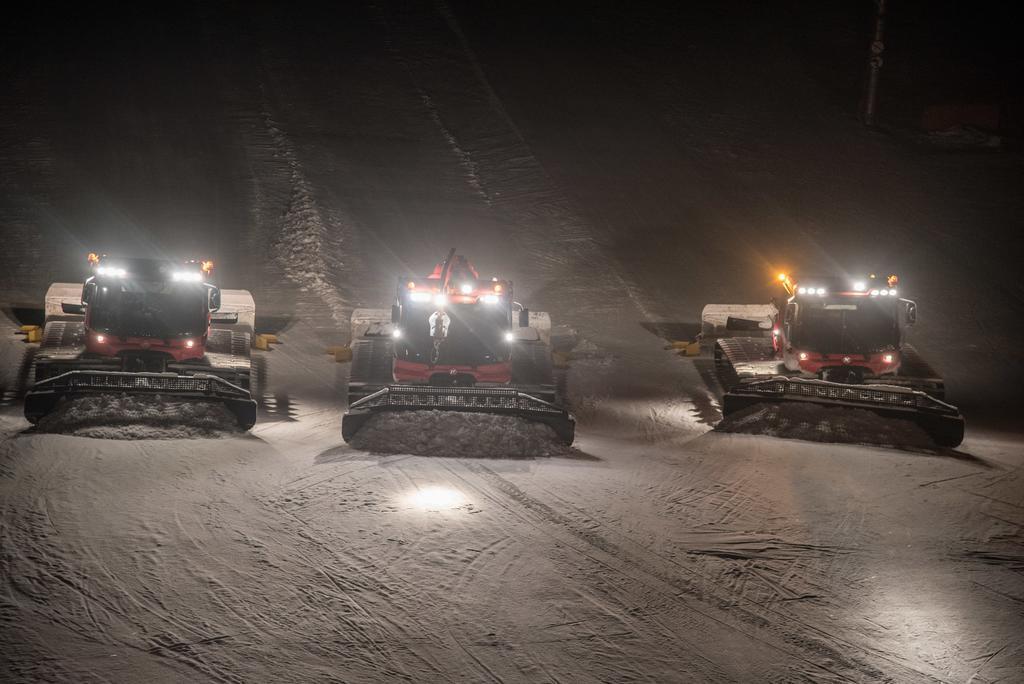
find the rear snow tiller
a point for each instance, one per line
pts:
(496, 400)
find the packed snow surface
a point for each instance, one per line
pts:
(457, 435)
(817, 423)
(125, 416)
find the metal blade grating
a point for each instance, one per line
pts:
(103, 381)
(455, 398)
(870, 395)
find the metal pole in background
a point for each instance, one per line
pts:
(874, 66)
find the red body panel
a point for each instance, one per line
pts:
(496, 373)
(874, 363)
(175, 348)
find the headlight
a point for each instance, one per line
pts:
(874, 293)
(466, 288)
(888, 358)
(802, 290)
(821, 291)
(440, 300)
(419, 296)
(802, 356)
(396, 333)
(101, 339)
(111, 271)
(189, 344)
(187, 276)
(510, 336)
(490, 299)
(859, 287)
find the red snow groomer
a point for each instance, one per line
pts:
(453, 341)
(145, 326)
(839, 341)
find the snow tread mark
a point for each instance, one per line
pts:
(30, 541)
(828, 647)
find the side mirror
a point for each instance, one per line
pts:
(911, 313)
(74, 309)
(88, 292)
(396, 313)
(214, 298)
(524, 318)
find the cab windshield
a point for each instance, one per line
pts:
(149, 309)
(476, 334)
(848, 327)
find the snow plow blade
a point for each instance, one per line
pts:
(43, 397)
(498, 400)
(940, 420)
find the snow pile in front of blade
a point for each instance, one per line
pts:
(126, 416)
(457, 434)
(818, 423)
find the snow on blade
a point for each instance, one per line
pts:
(125, 416)
(817, 423)
(457, 434)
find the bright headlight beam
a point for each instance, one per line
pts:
(435, 498)
(187, 276)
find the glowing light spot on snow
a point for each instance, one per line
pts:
(436, 498)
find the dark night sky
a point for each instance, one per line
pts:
(937, 51)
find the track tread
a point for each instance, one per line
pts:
(531, 364)
(371, 361)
